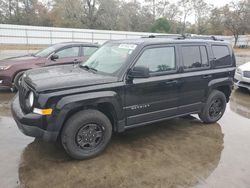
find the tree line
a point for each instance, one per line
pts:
(161, 16)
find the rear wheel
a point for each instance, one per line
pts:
(214, 107)
(86, 134)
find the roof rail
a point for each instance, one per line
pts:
(202, 37)
(184, 36)
(162, 36)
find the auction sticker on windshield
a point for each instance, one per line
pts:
(128, 46)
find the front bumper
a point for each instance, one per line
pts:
(242, 81)
(5, 82)
(31, 124)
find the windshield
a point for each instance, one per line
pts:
(109, 58)
(45, 52)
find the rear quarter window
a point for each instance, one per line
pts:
(222, 56)
(195, 57)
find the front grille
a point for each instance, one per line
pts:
(23, 94)
(245, 83)
(246, 74)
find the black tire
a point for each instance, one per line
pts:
(77, 133)
(17, 80)
(214, 107)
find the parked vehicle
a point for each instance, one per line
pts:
(12, 69)
(242, 76)
(125, 84)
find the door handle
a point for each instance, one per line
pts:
(171, 82)
(207, 76)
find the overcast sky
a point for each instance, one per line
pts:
(218, 2)
(213, 2)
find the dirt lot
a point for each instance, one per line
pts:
(242, 55)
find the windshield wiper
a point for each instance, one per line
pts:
(86, 67)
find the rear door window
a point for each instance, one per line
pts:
(194, 57)
(222, 56)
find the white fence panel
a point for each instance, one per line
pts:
(19, 34)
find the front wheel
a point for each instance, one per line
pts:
(86, 134)
(214, 107)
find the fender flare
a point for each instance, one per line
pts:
(227, 81)
(69, 103)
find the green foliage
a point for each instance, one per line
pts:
(131, 15)
(160, 25)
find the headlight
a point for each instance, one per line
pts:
(31, 99)
(239, 71)
(4, 67)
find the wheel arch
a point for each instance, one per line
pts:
(226, 90)
(225, 85)
(108, 104)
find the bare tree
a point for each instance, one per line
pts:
(172, 12)
(108, 12)
(201, 9)
(235, 19)
(215, 22)
(158, 7)
(91, 11)
(186, 7)
(130, 15)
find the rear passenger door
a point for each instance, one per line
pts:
(195, 77)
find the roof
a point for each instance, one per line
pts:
(170, 39)
(75, 43)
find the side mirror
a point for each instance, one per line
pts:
(139, 72)
(54, 57)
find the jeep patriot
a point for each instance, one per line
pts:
(125, 84)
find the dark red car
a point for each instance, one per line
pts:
(11, 69)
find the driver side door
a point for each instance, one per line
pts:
(68, 55)
(155, 98)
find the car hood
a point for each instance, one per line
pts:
(245, 67)
(64, 77)
(18, 60)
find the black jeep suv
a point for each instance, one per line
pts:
(125, 84)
